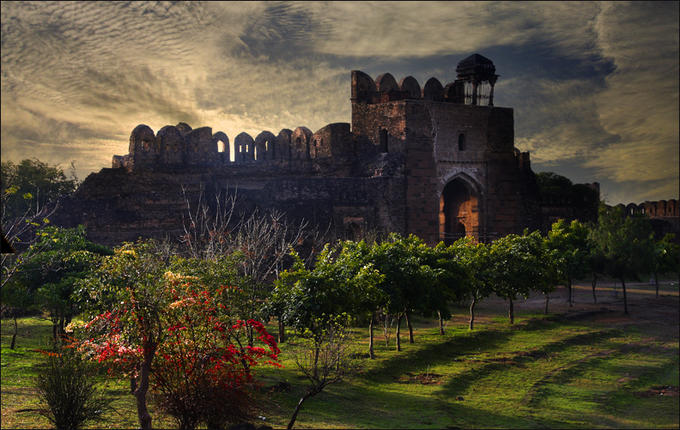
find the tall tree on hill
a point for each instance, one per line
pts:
(626, 243)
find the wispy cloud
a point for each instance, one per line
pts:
(77, 77)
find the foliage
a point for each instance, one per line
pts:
(45, 183)
(626, 243)
(569, 247)
(555, 189)
(51, 269)
(171, 334)
(67, 388)
(306, 298)
(518, 264)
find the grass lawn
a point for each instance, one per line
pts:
(588, 366)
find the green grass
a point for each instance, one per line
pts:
(542, 372)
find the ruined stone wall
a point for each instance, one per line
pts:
(414, 160)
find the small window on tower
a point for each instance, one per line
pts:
(383, 140)
(461, 142)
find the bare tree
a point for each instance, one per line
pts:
(324, 359)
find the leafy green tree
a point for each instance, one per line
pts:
(52, 268)
(517, 264)
(665, 258)
(596, 260)
(570, 248)
(407, 277)
(352, 259)
(30, 194)
(475, 258)
(626, 244)
(452, 281)
(305, 298)
(46, 184)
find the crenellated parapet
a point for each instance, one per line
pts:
(474, 85)
(180, 145)
(653, 209)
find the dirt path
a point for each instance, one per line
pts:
(662, 292)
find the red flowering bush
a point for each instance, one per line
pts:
(201, 368)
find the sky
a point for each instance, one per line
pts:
(594, 86)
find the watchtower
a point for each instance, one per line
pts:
(464, 175)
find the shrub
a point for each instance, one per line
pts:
(67, 388)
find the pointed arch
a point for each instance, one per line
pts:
(459, 209)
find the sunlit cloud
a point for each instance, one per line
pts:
(77, 77)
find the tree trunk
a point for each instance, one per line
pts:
(656, 283)
(371, 354)
(54, 331)
(547, 300)
(399, 332)
(16, 330)
(571, 294)
(511, 313)
(282, 331)
(625, 299)
(410, 328)
(441, 323)
(594, 284)
(249, 331)
(291, 423)
(142, 388)
(472, 313)
(386, 330)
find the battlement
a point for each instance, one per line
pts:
(655, 209)
(181, 145)
(474, 85)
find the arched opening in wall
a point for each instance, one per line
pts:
(383, 140)
(458, 212)
(461, 142)
(220, 146)
(232, 152)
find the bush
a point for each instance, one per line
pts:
(68, 390)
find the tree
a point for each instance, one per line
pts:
(128, 299)
(31, 191)
(626, 244)
(172, 335)
(474, 257)
(452, 280)
(324, 357)
(665, 258)
(516, 265)
(407, 277)
(570, 248)
(306, 297)
(51, 269)
(256, 244)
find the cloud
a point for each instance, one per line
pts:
(640, 103)
(594, 85)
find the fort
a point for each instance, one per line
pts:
(438, 161)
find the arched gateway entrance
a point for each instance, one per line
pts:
(458, 212)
